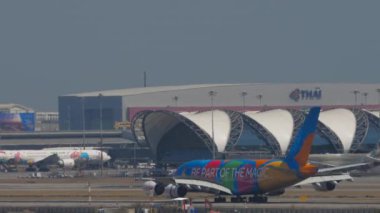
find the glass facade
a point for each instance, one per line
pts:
(322, 145)
(250, 140)
(71, 110)
(181, 144)
(92, 117)
(371, 140)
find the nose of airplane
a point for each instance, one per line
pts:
(106, 157)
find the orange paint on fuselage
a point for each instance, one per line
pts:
(303, 154)
(309, 170)
(273, 177)
(260, 162)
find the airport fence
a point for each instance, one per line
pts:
(260, 210)
(5, 209)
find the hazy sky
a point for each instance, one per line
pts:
(51, 48)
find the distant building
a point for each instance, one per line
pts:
(14, 108)
(16, 117)
(124, 104)
(47, 121)
(175, 121)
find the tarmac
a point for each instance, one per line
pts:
(19, 189)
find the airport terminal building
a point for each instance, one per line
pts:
(231, 120)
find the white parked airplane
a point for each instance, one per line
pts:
(65, 157)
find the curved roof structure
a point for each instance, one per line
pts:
(340, 130)
(156, 124)
(342, 122)
(220, 129)
(373, 117)
(145, 90)
(279, 122)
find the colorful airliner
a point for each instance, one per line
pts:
(248, 177)
(66, 157)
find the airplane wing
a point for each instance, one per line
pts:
(327, 174)
(372, 160)
(202, 183)
(320, 179)
(345, 168)
(51, 159)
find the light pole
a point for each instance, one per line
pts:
(365, 97)
(101, 131)
(212, 94)
(260, 97)
(134, 155)
(175, 99)
(243, 94)
(83, 125)
(68, 118)
(356, 92)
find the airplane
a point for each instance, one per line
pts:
(63, 157)
(260, 178)
(333, 160)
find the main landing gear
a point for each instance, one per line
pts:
(238, 199)
(258, 199)
(220, 200)
(254, 199)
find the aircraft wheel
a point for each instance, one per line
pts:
(237, 199)
(258, 199)
(30, 169)
(44, 169)
(220, 200)
(265, 199)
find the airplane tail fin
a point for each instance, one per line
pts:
(300, 149)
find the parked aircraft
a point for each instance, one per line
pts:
(259, 178)
(64, 157)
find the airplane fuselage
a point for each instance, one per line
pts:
(33, 156)
(244, 177)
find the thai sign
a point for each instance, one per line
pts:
(306, 94)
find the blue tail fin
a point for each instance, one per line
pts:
(300, 149)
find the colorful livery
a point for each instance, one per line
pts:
(243, 177)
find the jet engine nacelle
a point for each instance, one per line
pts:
(325, 186)
(174, 191)
(153, 188)
(66, 163)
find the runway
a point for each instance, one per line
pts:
(115, 192)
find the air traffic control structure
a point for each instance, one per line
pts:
(199, 121)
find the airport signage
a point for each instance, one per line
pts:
(306, 94)
(17, 121)
(122, 125)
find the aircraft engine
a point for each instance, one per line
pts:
(325, 186)
(66, 163)
(153, 188)
(174, 191)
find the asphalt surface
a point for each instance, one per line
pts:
(18, 189)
